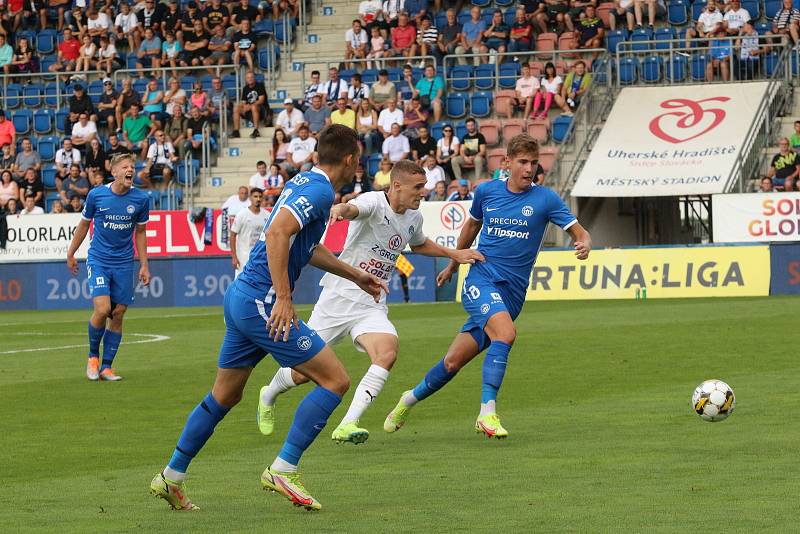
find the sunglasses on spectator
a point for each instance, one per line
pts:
(448, 130)
(107, 83)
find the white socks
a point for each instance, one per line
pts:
(281, 382)
(488, 408)
(409, 399)
(174, 476)
(282, 466)
(367, 390)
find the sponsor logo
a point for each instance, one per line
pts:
(508, 220)
(100, 281)
(103, 209)
(383, 253)
(130, 209)
(484, 309)
(492, 209)
(496, 231)
(453, 216)
(304, 343)
(687, 119)
(496, 297)
(395, 242)
(527, 211)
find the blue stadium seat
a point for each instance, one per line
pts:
(441, 20)
(509, 73)
(460, 129)
(464, 16)
(265, 60)
(651, 69)
(46, 42)
(49, 200)
(230, 86)
(43, 120)
(187, 83)
(130, 63)
(151, 198)
(284, 32)
(51, 94)
(481, 3)
(436, 129)
(753, 7)
(638, 38)
(480, 104)
(45, 62)
(461, 77)
(95, 91)
(678, 12)
(503, 3)
(374, 163)
(32, 95)
(628, 70)
(509, 15)
(456, 105)
(395, 74)
(369, 76)
(48, 147)
(264, 27)
(49, 175)
(771, 62)
(347, 74)
(206, 81)
(13, 94)
(698, 67)
(600, 72)
(662, 35)
(697, 8)
(486, 16)
(676, 68)
(184, 173)
(763, 27)
(140, 85)
(484, 77)
(62, 116)
(560, 128)
(615, 37)
(771, 7)
(22, 120)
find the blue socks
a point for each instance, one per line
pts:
(95, 336)
(434, 380)
(494, 368)
(111, 342)
(198, 429)
(309, 420)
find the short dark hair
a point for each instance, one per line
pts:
(356, 20)
(313, 72)
(471, 119)
(335, 143)
(405, 168)
(256, 190)
(261, 162)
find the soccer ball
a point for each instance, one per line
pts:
(713, 400)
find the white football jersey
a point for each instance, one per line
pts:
(248, 227)
(374, 241)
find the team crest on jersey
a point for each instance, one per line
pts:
(484, 309)
(304, 343)
(411, 230)
(395, 242)
(130, 209)
(527, 211)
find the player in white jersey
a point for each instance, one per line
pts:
(246, 230)
(382, 225)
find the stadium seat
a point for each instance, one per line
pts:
(230, 86)
(22, 121)
(560, 128)
(651, 69)
(264, 27)
(509, 15)
(546, 42)
(604, 12)
(130, 63)
(43, 120)
(48, 147)
(490, 128)
(547, 157)
(537, 68)
(628, 70)
(460, 129)
(771, 7)
(49, 176)
(600, 70)
(13, 96)
(503, 103)
(615, 37)
(374, 163)
(284, 30)
(698, 6)
(95, 91)
(494, 158)
(512, 127)
(44, 64)
(538, 129)
(662, 36)
(32, 95)
(347, 75)
(436, 129)
(456, 105)
(187, 82)
(441, 20)
(486, 16)
(763, 27)
(509, 73)
(698, 67)
(678, 12)
(266, 61)
(140, 85)
(639, 39)
(567, 41)
(46, 42)
(676, 68)
(754, 8)
(481, 3)
(503, 3)
(49, 200)
(62, 116)
(464, 16)
(480, 104)
(460, 77)
(369, 76)
(484, 77)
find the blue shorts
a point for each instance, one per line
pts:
(482, 298)
(247, 340)
(114, 282)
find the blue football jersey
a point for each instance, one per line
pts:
(513, 229)
(115, 218)
(309, 197)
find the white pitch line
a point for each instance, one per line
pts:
(152, 339)
(127, 318)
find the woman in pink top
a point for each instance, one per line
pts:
(8, 188)
(280, 146)
(199, 99)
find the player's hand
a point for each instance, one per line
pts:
(446, 274)
(337, 213)
(467, 256)
(582, 250)
(235, 262)
(372, 285)
(282, 318)
(72, 265)
(144, 275)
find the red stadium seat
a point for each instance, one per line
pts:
(494, 158)
(547, 157)
(503, 104)
(537, 68)
(568, 41)
(512, 127)
(490, 128)
(604, 12)
(539, 130)
(546, 42)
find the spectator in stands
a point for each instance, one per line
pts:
(57, 207)
(360, 184)
(153, 102)
(556, 15)
(280, 146)
(252, 106)
(151, 16)
(447, 148)
(174, 97)
(216, 14)
(24, 61)
(291, 118)
(622, 12)
(382, 178)
(438, 194)
(370, 12)
(525, 90)
(766, 185)
(244, 46)
(721, 52)
(60, 7)
(495, 37)
(794, 140)
(30, 207)
(194, 132)
(136, 128)
(74, 185)
(28, 158)
(11, 207)
(219, 48)
(786, 22)
(433, 173)
(367, 127)
(8, 134)
(317, 116)
(784, 168)
(462, 192)
(414, 118)
(311, 90)
(430, 90)
(520, 37)
(355, 40)
(126, 27)
(98, 24)
(575, 86)
(590, 31)
(199, 99)
(6, 53)
(357, 92)
(83, 132)
(392, 10)
(79, 103)
(171, 18)
(651, 8)
(191, 14)
(32, 185)
(407, 82)
(216, 97)
(471, 36)
(334, 88)
(195, 45)
(396, 146)
(343, 115)
(125, 101)
(76, 21)
(734, 19)
(472, 152)
(403, 37)
(68, 53)
(427, 41)
(237, 202)
(161, 159)
(382, 91)
(389, 116)
(259, 179)
(95, 160)
(75, 205)
(450, 35)
(289, 7)
(275, 181)
(376, 47)
(301, 154)
(66, 156)
(171, 52)
(550, 90)
(708, 23)
(175, 129)
(149, 53)
(116, 148)
(106, 56)
(502, 172)
(8, 188)
(7, 160)
(423, 145)
(243, 11)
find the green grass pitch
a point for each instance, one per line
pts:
(596, 399)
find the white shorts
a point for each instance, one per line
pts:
(335, 316)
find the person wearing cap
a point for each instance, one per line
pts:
(126, 26)
(462, 193)
(291, 118)
(68, 53)
(382, 91)
(8, 134)
(79, 103)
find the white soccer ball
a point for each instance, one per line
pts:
(713, 400)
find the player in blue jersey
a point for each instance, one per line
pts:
(120, 214)
(511, 217)
(260, 319)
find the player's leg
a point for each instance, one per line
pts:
(101, 300)
(121, 287)
(502, 333)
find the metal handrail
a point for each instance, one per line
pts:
(59, 78)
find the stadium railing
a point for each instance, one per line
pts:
(56, 81)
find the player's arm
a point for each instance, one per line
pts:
(345, 210)
(430, 248)
(470, 230)
(140, 240)
(77, 239)
(324, 259)
(234, 258)
(582, 240)
(277, 241)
